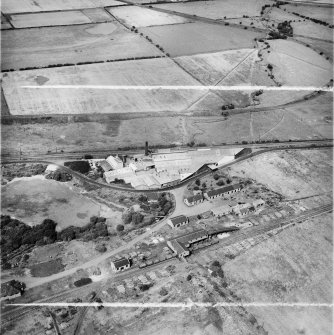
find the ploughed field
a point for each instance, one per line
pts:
(147, 72)
(42, 47)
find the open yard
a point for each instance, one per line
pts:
(217, 9)
(193, 38)
(144, 17)
(152, 72)
(41, 47)
(34, 199)
(296, 266)
(26, 6)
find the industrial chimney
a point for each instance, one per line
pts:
(146, 148)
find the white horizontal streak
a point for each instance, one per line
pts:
(177, 304)
(195, 88)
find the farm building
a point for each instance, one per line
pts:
(220, 192)
(178, 221)
(217, 231)
(115, 162)
(221, 211)
(120, 264)
(181, 243)
(194, 199)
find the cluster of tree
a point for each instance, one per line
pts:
(217, 270)
(313, 19)
(58, 175)
(228, 106)
(95, 228)
(82, 282)
(78, 166)
(285, 28)
(15, 233)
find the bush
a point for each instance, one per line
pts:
(163, 292)
(78, 166)
(82, 282)
(145, 287)
(221, 183)
(198, 182)
(101, 248)
(120, 227)
(189, 277)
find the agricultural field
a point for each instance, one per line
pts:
(319, 46)
(39, 100)
(4, 23)
(312, 30)
(94, 15)
(24, 48)
(296, 65)
(279, 15)
(300, 260)
(315, 12)
(195, 38)
(144, 17)
(28, 6)
(216, 9)
(34, 199)
(48, 19)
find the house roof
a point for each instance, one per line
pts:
(121, 262)
(223, 190)
(178, 247)
(178, 219)
(195, 197)
(258, 202)
(186, 238)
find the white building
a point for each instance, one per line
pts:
(115, 162)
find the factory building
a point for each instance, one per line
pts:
(115, 162)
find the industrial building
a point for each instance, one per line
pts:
(120, 264)
(178, 221)
(194, 199)
(180, 245)
(115, 162)
(223, 191)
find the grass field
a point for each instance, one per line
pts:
(216, 9)
(27, 6)
(193, 38)
(70, 45)
(144, 17)
(159, 71)
(34, 199)
(295, 266)
(304, 173)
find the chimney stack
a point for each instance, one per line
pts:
(146, 148)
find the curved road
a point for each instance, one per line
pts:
(36, 281)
